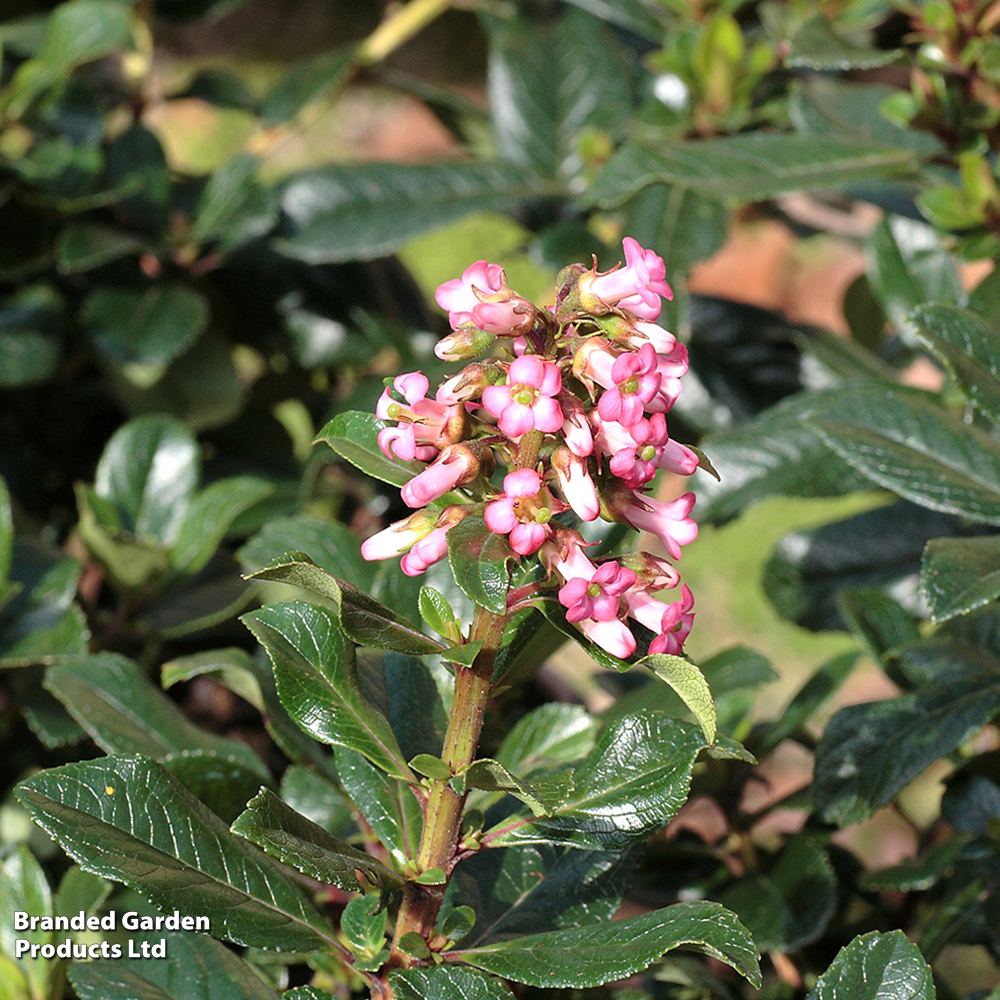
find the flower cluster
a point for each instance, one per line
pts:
(574, 406)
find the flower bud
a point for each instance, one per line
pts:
(576, 483)
(399, 537)
(468, 341)
(455, 466)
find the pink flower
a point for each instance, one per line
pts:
(526, 402)
(675, 625)
(636, 381)
(424, 425)
(483, 298)
(649, 333)
(638, 451)
(613, 637)
(522, 511)
(399, 537)
(455, 466)
(576, 429)
(576, 483)
(458, 296)
(670, 522)
(670, 368)
(429, 550)
(637, 287)
(598, 597)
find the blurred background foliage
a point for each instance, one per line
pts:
(221, 224)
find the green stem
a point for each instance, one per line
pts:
(399, 28)
(443, 817)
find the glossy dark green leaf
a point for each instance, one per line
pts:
(316, 674)
(46, 717)
(592, 956)
(959, 575)
(82, 31)
(361, 212)
(149, 327)
(479, 559)
(750, 166)
(632, 784)
(907, 266)
(644, 19)
(774, 454)
(365, 620)
(318, 799)
(525, 890)
(548, 736)
(810, 568)
(690, 685)
(967, 346)
(124, 714)
(82, 246)
(128, 820)
(816, 45)
(295, 840)
(235, 206)
(197, 968)
(315, 78)
(879, 623)
(329, 544)
(148, 472)
(809, 699)
(363, 924)
(389, 806)
(431, 766)
(539, 98)
(877, 967)
(224, 783)
(971, 801)
(792, 904)
(901, 440)
(354, 435)
(209, 517)
(437, 612)
(79, 890)
(738, 668)
(855, 776)
(27, 357)
(446, 982)
(916, 874)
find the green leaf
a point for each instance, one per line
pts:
(148, 472)
(809, 699)
(295, 840)
(126, 819)
(84, 30)
(29, 344)
(637, 16)
(79, 890)
(209, 516)
(632, 784)
(689, 682)
(464, 654)
(389, 806)
(197, 968)
(916, 874)
(234, 207)
(446, 982)
(225, 785)
(367, 621)
(318, 799)
(816, 46)
(539, 99)
(437, 612)
(341, 213)
(525, 890)
(363, 924)
(315, 78)
(354, 435)
(329, 544)
(855, 776)
(550, 735)
(6, 536)
(968, 348)
(316, 674)
(491, 776)
(591, 956)
(479, 558)
(413, 943)
(793, 903)
(749, 167)
(959, 575)
(431, 876)
(23, 887)
(83, 246)
(124, 714)
(901, 440)
(879, 623)
(431, 767)
(774, 454)
(877, 967)
(145, 328)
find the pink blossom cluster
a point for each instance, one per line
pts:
(574, 406)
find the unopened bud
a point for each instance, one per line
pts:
(468, 341)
